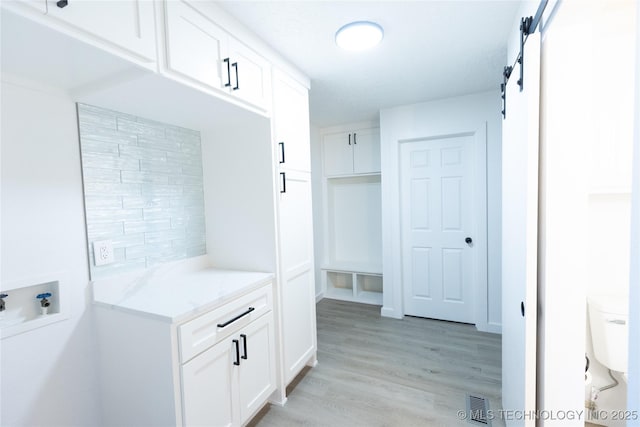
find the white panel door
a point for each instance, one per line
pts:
(437, 218)
(206, 382)
(296, 270)
(291, 117)
(130, 24)
(337, 152)
(520, 235)
(366, 151)
(257, 373)
(196, 46)
(250, 75)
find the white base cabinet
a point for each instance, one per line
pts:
(232, 380)
(216, 368)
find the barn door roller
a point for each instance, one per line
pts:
(528, 25)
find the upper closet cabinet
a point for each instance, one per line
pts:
(128, 24)
(350, 153)
(291, 123)
(204, 53)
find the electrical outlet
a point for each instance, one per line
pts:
(102, 252)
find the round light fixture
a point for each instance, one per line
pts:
(360, 35)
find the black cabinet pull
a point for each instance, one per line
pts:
(349, 139)
(237, 86)
(228, 322)
(522, 308)
(284, 182)
(354, 139)
(281, 144)
(244, 345)
(228, 72)
(62, 3)
(237, 361)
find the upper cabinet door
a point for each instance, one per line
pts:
(250, 75)
(338, 154)
(196, 47)
(129, 24)
(366, 151)
(291, 117)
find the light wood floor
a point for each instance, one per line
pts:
(375, 371)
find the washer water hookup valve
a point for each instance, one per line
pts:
(44, 302)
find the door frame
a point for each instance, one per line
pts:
(478, 131)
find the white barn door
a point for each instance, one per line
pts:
(520, 130)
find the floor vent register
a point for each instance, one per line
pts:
(477, 410)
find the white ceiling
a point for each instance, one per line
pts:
(431, 50)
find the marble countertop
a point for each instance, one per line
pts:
(176, 291)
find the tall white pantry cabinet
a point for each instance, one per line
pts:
(290, 126)
(251, 107)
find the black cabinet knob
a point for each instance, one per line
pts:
(62, 3)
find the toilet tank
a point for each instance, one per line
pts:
(608, 318)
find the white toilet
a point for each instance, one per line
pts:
(608, 318)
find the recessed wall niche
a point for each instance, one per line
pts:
(143, 189)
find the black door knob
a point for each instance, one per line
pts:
(62, 3)
(468, 240)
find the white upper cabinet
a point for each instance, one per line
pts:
(250, 74)
(338, 154)
(291, 123)
(201, 51)
(127, 24)
(349, 153)
(195, 45)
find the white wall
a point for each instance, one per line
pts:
(633, 393)
(238, 195)
(47, 374)
(428, 119)
(316, 191)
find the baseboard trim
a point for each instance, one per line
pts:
(390, 312)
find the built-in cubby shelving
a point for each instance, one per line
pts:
(353, 286)
(351, 268)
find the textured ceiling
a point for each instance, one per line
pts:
(431, 50)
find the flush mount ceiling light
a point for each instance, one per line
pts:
(360, 35)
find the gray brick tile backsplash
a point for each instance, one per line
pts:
(148, 129)
(148, 202)
(102, 202)
(145, 177)
(143, 189)
(147, 226)
(159, 144)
